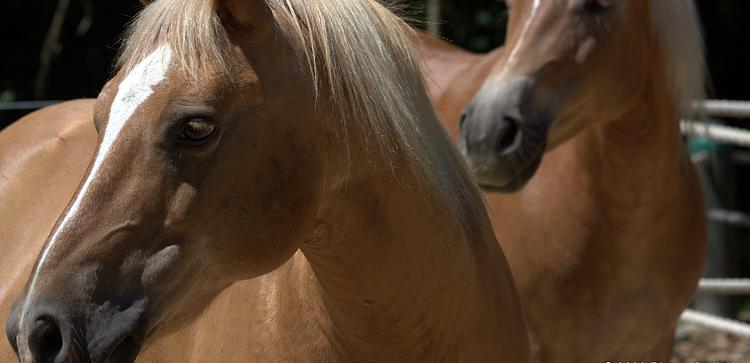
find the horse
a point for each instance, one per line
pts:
(561, 275)
(572, 128)
(285, 145)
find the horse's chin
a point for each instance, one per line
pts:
(514, 183)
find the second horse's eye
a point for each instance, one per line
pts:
(197, 132)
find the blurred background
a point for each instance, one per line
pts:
(64, 49)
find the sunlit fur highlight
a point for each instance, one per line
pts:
(678, 28)
(360, 59)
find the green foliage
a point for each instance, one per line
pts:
(7, 95)
(475, 25)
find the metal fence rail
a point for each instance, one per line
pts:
(731, 135)
(724, 286)
(25, 105)
(716, 323)
(722, 108)
(732, 218)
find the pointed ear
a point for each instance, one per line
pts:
(146, 2)
(248, 13)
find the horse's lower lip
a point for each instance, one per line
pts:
(518, 181)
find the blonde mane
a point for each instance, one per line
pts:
(677, 26)
(358, 51)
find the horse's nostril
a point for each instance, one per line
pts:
(45, 340)
(461, 123)
(508, 136)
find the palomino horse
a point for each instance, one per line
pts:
(607, 241)
(289, 144)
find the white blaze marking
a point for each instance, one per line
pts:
(133, 91)
(522, 38)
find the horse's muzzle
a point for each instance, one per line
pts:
(44, 333)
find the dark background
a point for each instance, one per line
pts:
(84, 60)
(89, 39)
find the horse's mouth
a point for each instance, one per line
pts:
(518, 181)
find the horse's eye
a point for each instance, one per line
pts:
(597, 7)
(197, 132)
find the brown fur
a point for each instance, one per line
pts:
(608, 240)
(604, 274)
(356, 261)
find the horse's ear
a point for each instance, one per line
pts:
(248, 13)
(146, 2)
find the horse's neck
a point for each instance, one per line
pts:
(399, 278)
(638, 161)
(451, 67)
(454, 76)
